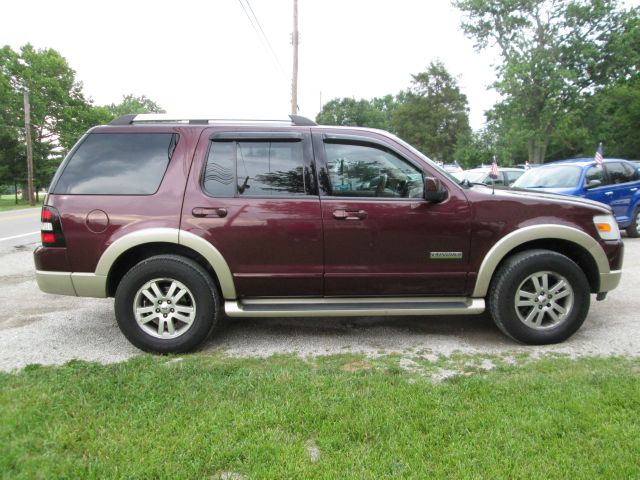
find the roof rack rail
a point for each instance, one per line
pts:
(141, 118)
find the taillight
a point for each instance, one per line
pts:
(51, 228)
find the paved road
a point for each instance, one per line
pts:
(18, 227)
(49, 329)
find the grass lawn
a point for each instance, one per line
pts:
(8, 202)
(337, 417)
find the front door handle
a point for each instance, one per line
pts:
(219, 212)
(608, 193)
(349, 214)
(634, 189)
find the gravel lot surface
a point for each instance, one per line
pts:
(49, 329)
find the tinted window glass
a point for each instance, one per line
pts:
(269, 168)
(631, 171)
(362, 171)
(254, 169)
(118, 164)
(594, 173)
(219, 175)
(513, 175)
(499, 180)
(617, 173)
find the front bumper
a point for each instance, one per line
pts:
(609, 281)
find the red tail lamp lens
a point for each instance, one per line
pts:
(46, 215)
(48, 237)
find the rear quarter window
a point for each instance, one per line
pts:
(117, 164)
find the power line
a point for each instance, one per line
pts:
(262, 37)
(265, 37)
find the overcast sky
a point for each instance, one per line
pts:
(204, 58)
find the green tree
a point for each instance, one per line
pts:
(434, 115)
(358, 113)
(552, 54)
(60, 113)
(613, 117)
(12, 159)
(132, 104)
(56, 101)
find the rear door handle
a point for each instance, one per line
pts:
(634, 189)
(608, 193)
(220, 212)
(349, 214)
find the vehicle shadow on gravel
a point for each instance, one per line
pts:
(332, 335)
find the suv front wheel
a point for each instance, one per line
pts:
(167, 304)
(633, 230)
(539, 297)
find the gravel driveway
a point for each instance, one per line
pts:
(49, 329)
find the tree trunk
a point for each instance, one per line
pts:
(537, 151)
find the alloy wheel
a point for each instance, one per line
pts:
(544, 300)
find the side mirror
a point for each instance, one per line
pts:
(434, 190)
(593, 184)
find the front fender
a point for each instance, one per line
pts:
(531, 233)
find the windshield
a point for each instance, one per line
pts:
(552, 176)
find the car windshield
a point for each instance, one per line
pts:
(552, 176)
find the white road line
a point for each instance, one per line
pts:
(18, 236)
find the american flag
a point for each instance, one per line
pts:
(598, 157)
(494, 168)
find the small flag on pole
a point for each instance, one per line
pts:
(599, 153)
(494, 168)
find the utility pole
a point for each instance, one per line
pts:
(27, 131)
(294, 42)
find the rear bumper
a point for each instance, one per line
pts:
(74, 284)
(58, 283)
(609, 281)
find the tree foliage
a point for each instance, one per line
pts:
(552, 55)
(346, 111)
(60, 112)
(432, 114)
(435, 114)
(56, 101)
(132, 104)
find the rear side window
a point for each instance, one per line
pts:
(512, 176)
(618, 174)
(254, 169)
(117, 164)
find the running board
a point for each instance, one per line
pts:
(353, 307)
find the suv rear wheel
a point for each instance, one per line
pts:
(539, 297)
(167, 304)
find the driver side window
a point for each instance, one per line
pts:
(364, 171)
(594, 174)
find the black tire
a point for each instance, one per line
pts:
(515, 276)
(201, 295)
(633, 230)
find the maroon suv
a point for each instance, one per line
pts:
(183, 221)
